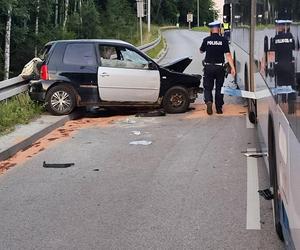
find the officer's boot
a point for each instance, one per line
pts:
(219, 110)
(209, 108)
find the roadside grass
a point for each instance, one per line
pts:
(147, 37)
(202, 29)
(17, 110)
(154, 53)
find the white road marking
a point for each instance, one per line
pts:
(248, 123)
(253, 204)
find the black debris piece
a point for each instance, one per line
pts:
(96, 169)
(63, 165)
(266, 194)
(152, 113)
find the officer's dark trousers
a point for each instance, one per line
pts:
(213, 74)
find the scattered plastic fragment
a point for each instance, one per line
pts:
(136, 132)
(266, 194)
(63, 165)
(144, 143)
(256, 154)
(129, 121)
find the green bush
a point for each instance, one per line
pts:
(17, 110)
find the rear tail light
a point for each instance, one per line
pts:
(44, 72)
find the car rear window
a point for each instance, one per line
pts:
(80, 54)
(44, 52)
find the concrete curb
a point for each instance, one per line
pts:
(12, 150)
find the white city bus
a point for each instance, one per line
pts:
(265, 43)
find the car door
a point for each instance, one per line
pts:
(124, 76)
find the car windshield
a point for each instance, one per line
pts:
(132, 56)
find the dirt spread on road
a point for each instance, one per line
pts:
(58, 135)
(228, 110)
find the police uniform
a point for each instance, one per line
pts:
(283, 45)
(215, 47)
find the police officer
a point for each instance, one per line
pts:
(283, 45)
(215, 46)
(226, 27)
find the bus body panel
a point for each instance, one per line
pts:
(273, 68)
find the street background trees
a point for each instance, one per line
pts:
(26, 25)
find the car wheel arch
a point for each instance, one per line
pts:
(67, 84)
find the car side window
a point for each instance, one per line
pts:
(82, 54)
(121, 57)
(108, 56)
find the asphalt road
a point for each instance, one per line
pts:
(191, 188)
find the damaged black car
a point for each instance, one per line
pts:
(110, 73)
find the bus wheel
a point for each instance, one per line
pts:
(274, 181)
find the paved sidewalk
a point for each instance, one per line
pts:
(25, 135)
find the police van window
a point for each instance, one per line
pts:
(80, 54)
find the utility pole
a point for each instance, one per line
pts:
(149, 16)
(198, 13)
(140, 15)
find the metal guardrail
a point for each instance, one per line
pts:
(17, 85)
(149, 46)
(12, 87)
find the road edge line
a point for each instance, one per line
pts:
(253, 202)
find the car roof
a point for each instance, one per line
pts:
(107, 41)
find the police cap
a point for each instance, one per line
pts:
(215, 24)
(283, 22)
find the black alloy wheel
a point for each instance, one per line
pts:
(176, 100)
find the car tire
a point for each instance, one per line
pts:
(60, 100)
(176, 100)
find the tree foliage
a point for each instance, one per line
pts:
(68, 19)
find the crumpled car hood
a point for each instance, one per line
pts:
(178, 65)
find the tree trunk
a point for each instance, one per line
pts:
(158, 9)
(75, 6)
(37, 26)
(66, 14)
(7, 44)
(56, 13)
(79, 7)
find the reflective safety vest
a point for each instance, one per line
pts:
(226, 26)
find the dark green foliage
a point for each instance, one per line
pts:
(95, 19)
(17, 110)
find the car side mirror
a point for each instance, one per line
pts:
(152, 66)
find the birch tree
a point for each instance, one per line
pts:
(7, 43)
(37, 25)
(66, 14)
(56, 13)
